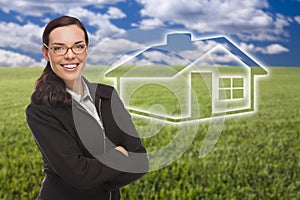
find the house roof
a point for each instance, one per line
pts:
(174, 56)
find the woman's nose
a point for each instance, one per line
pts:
(69, 54)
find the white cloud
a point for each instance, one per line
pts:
(158, 56)
(139, 62)
(115, 13)
(39, 8)
(170, 58)
(200, 48)
(217, 56)
(155, 22)
(112, 51)
(297, 19)
(26, 37)
(12, 59)
(246, 19)
(19, 18)
(100, 21)
(270, 49)
(275, 49)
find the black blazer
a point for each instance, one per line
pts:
(80, 161)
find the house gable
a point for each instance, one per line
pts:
(179, 52)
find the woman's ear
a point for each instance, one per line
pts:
(45, 53)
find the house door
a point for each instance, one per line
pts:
(201, 94)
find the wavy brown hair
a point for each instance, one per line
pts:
(49, 88)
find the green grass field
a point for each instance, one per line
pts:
(256, 157)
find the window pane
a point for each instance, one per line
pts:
(238, 82)
(237, 93)
(225, 84)
(224, 94)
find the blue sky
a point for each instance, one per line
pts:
(268, 30)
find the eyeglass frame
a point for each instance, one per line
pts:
(67, 49)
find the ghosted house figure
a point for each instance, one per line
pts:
(190, 79)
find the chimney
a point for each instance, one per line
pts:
(179, 41)
(182, 38)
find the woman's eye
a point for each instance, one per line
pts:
(80, 46)
(58, 48)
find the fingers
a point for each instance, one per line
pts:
(122, 150)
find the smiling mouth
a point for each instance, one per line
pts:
(69, 66)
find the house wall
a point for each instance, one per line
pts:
(201, 93)
(167, 97)
(188, 96)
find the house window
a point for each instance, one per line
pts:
(231, 88)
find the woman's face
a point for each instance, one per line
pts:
(69, 66)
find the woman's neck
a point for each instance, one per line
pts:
(76, 86)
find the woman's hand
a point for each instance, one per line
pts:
(122, 150)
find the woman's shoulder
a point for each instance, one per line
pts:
(43, 109)
(34, 111)
(31, 107)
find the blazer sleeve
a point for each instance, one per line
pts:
(137, 163)
(61, 151)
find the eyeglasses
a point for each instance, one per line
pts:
(61, 50)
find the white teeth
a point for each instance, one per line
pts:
(70, 66)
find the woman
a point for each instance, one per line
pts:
(88, 142)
